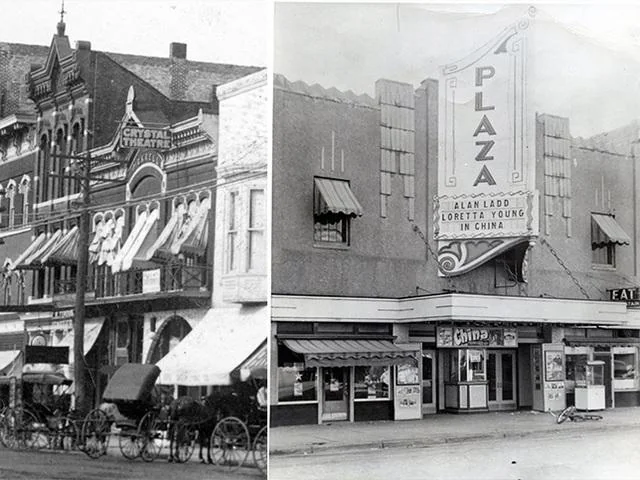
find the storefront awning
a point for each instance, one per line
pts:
(613, 232)
(140, 229)
(7, 358)
(92, 328)
(335, 196)
(35, 245)
(65, 251)
(209, 354)
(336, 353)
(255, 366)
(602, 341)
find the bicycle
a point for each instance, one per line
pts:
(572, 414)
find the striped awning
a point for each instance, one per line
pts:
(65, 251)
(137, 240)
(335, 353)
(35, 259)
(162, 245)
(193, 233)
(255, 366)
(335, 196)
(609, 231)
(35, 245)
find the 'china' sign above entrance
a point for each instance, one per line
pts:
(476, 337)
(486, 183)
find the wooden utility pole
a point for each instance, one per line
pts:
(82, 404)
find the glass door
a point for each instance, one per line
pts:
(501, 376)
(428, 381)
(335, 396)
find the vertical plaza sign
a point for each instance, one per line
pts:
(486, 202)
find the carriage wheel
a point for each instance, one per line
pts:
(229, 445)
(260, 450)
(130, 443)
(184, 442)
(152, 432)
(95, 433)
(8, 429)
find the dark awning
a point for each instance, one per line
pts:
(65, 251)
(35, 245)
(611, 230)
(335, 196)
(46, 378)
(335, 353)
(602, 341)
(35, 259)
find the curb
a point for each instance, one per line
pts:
(320, 449)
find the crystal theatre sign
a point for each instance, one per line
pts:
(486, 184)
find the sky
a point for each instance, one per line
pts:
(584, 59)
(233, 31)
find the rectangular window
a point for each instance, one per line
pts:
(257, 249)
(372, 383)
(625, 361)
(331, 229)
(295, 382)
(603, 250)
(232, 232)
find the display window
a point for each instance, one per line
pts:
(575, 359)
(372, 383)
(625, 371)
(466, 365)
(296, 383)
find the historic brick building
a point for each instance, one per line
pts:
(152, 129)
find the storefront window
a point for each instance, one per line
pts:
(625, 361)
(295, 382)
(466, 365)
(372, 382)
(575, 365)
(476, 366)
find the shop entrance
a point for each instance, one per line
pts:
(335, 393)
(428, 381)
(501, 376)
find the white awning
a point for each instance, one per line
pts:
(140, 222)
(168, 234)
(195, 222)
(7, 359)
(208, 355)
(92, 328)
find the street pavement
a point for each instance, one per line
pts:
(569, 455)
(436, 430)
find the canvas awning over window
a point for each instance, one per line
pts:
(35, 245)
(193, 229)
(163, 243)
(210, 353)
(65, 251)
(144, 223)
(92, 328)
(343, 353)
(7, 358)
(335, 196)
(255, 366)
(609, 231)
(35, 259)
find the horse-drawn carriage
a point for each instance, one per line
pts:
(42, 418)
(227, 425)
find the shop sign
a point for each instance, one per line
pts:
(486, 183)
(477, 337)
(629, 295)
(142, 137)
(151, 281)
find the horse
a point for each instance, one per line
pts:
(187, 411)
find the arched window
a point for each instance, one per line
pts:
(11, 197)
(171, 334)
(23, 208)
(41, 169)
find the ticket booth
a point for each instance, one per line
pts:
(590, 386)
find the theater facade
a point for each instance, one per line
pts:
(441, 247)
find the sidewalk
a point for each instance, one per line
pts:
(436, 429)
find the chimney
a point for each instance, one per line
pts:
(178, 50)
(83, 45)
